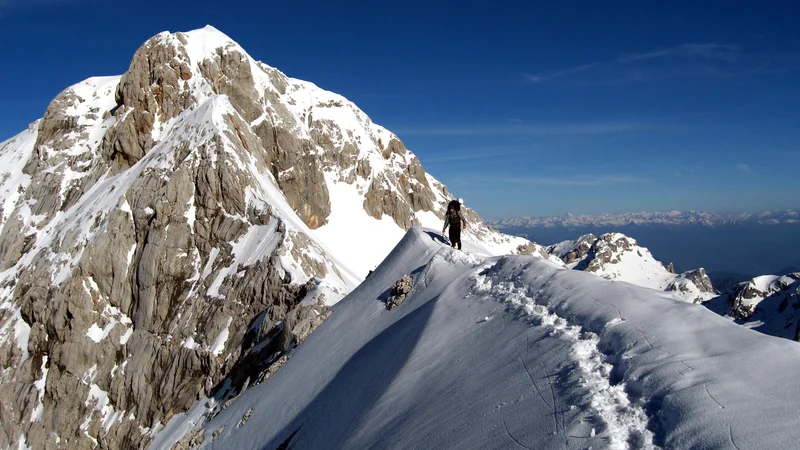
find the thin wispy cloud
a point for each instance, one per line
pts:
(692, 59)
(724, 52)
(580, 180)
(526, 130)
(470, 156)
(538, 78)
(586, 180)
(743, 167)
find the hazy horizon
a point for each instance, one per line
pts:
(621, 213)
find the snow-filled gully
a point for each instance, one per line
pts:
(621, 423)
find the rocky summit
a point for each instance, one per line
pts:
(618, 257)
(166, 235)
(767, 303)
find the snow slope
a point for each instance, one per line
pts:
(515, 352)
(14, 153)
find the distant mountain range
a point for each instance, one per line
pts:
(703, 218)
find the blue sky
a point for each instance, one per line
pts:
(522, 108)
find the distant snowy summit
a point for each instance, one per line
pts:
(615, 256)
(679, 218)
(767, 303)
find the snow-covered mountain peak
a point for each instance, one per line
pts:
(187, 222)
(203, 42)
(616, 256)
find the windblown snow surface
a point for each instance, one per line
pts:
(515, 352)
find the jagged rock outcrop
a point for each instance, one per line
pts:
(572, 252)
(700, 279)
(694, 283)
(768, 304)
(400, 195)
(533, 249)
(400, 289)
(150, 91)
(608, 249)
(745, 300)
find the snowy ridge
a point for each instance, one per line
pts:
(623, 422)
(516, 351)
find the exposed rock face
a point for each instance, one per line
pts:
(400, 194)
(156, 235)
(191, 441)
(400, 289)
(151, 90)
(694, 283)
(700, 279)
(745, 301)
(573, 251)
(157, 346)
(607, 249)
(533, 249)
(769, 304)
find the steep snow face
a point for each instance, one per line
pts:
(768, 303)
(617, 257)
(512, 351)
(14, 154)
(173, 231)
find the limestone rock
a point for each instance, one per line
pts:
(700, 279)
(573, 251)
(191, 441)
(400, 290)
